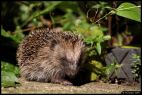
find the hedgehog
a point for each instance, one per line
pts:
(47, 55)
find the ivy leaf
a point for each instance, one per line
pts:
(130, 11)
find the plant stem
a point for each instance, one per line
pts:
(104, 16)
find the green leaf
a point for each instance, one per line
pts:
(97, 64)
(109, 68)
(17, 36)
(107, 37)
(93, 76)
(9, 74)
(88, 40)
(10, 68)
(130, 11)
(98, 47)
(8, 79)
(4, 33)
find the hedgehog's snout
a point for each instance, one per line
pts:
(74, 66)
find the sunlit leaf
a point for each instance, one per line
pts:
(129, 11)
(96, 63)
(107, 37)
(94, 76)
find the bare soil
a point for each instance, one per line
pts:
(29, 87)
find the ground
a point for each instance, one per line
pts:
(50, 88)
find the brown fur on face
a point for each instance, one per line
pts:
(48, 56)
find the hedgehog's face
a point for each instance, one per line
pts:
(70, 57)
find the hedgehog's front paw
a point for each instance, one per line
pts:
(65, 82)
(61, 81)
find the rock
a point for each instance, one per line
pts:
(122, 56)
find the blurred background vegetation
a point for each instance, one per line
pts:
(103, 25)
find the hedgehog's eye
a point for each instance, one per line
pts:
(53, 44)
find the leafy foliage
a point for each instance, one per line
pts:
(136, 66)
(97, 70)
(93, 34)
(28, 15)
(9, 74)
(17, 36)
(112, 67)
